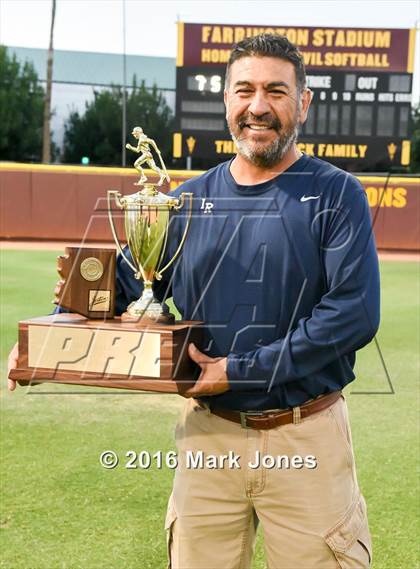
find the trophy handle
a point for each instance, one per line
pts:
(158, 274)
(116, 195)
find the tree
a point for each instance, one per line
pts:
(97, 133)
(415, 141)
(21, 110)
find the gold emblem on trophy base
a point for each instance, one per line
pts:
(91, 269)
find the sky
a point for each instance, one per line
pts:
(97, 25)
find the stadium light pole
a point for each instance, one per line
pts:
(124, 94)
(46, 132)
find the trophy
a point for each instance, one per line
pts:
(146, 222)
(145, 349)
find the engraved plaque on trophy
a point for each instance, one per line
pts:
(88, 281)
(68, 348)
(144, 349)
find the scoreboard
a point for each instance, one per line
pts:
(361, 79)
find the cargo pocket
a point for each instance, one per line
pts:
(350, 539)
(169, 526)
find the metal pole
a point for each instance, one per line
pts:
(46, 137)
(124, 95)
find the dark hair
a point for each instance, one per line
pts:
(269, 45)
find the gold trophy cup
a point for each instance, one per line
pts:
(146, 222)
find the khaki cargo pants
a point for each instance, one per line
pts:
(311, 518)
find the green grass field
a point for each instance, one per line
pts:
(60, 509)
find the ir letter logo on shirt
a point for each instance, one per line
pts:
(206, 206)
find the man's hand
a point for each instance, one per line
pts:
(12, 364)
(58, 291)
(213, 379)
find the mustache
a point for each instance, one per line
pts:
(266, 120)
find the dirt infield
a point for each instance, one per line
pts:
(399, 256)
(60, 245)
(49, 245)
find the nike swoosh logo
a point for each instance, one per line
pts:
(306, 198)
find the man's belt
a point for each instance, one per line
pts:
(263, 420)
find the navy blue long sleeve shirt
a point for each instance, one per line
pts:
(285, 276)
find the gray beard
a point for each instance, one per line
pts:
(271, 155)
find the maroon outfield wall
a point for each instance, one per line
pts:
(68, 203)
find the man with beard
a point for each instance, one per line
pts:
(281, 266)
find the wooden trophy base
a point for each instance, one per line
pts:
(69, 348)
